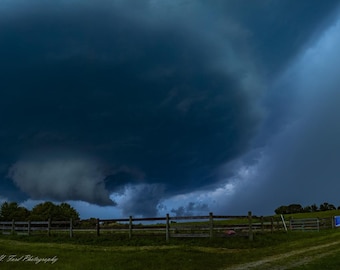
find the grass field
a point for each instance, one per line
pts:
(278, 250)
(321, 214)
(293, 250)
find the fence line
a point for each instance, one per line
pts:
(27, 227)
(252, 223)
(307, 224)
(171, 226)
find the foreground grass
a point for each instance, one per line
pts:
(73, 256)
(86, 257)
(331, 262)
(119, 252)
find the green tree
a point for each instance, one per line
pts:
(327, 206)
(283, 209)
(49, 210)
(324, 206)
(12, 210)
(67, 212)
(44, 211)
(314, 207)
(332, 207)
(295, 208)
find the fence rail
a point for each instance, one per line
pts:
(172, 227)
(307, 224)
(27, 227)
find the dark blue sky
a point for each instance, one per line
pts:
(147, 107)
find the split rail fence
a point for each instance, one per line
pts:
(193, 226)
(29, 227)
(307, 224)
(171, 226)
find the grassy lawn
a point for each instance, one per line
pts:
(118, 252)
(320, 214)
(328, 262)
(277, 250)
(80, 256)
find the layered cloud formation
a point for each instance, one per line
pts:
(134, 102)
(300, 161)
(61, 179)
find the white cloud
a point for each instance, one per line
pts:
(61, 178)
(140, 199)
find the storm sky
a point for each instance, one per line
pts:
(149, 107)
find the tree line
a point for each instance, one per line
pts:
(64, 211)
(298, 208)
(40, 212)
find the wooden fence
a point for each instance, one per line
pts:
(307, 224)
(28, 227)
(193, 226)
(172, 226)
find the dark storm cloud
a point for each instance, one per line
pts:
(278, 30)
(301, 163)
(146, 99)
(142, 199)
(161, 95)
(191, 209)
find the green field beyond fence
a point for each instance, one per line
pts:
(135, 243)
(209, 226)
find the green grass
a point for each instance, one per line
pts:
(117, 252)
(330, 262)
(81, 256)
(321, 214)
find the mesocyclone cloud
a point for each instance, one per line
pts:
(61, 177)
(165, 94)
(143, 97)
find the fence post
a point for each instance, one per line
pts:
(272, 224)
(262, 224)
(97, 227)
(284, 223)
(167, 228)
(211, 224)
(13, 226)
(28, 227)
(49, 227)
(130, 227)
(71, 228)
(251, 237)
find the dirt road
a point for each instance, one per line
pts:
(289, 260)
